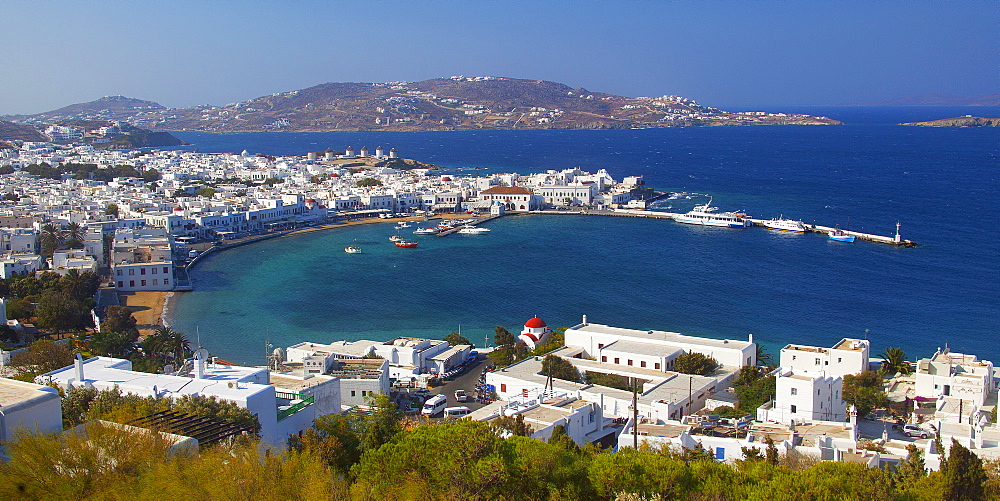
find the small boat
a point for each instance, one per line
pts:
(352, 249)
(706, 215)
(402, 225)
(425, 231)
(395, 238)
(472, 230)
(783, 224)
(840, 235)
(405, 243)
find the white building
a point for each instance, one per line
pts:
(514, 198)
(849, 356)
(655, 350)
(805, 396)
(248, 387)
(28, 407)
(961, 384)
(535, 332)
(542, 411)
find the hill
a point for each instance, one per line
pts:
(10, 131)
(966, 121)
(454, 103)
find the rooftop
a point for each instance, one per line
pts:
(14, 394)
(661, 336)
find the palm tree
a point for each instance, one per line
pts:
(166, 342)
(50, 237)
(74, 235)
(895, 361)
(763, 357)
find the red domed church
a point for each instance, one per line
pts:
(535, 332)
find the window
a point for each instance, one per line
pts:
(154, 271)
(142, 271)
(793, 357)
(143, 283)
(600, 345)
(656, 366)
(166, 281)
(131, 272)
(642, 363)
(131, 283)
(793, 409)
(119, 273)
(817, 361)
(604, 359)
(120, 284)
(353, 393)
(795, 391)
(616, 360)
(503, 388)
(165, 270)
(156, 281)
(630, 362)
(839, 360)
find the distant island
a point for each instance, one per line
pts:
(101, 134)
(939, 100)
(966, 121)
(455, 103)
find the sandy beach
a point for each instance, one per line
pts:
(147, 308)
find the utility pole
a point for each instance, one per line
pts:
(635, 415)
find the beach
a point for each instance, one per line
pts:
(147, 308)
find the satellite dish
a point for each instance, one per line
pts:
(279, 354)
(201, 354)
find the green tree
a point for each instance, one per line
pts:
(503, 337)
(695, 363)
(512, 425)
(912, 468)
(456, 339)
(80, 286)
(555, 340)
(41, 356)
(59, 311)
(964, 475)
(74, 235)
(111, 344)
(50, 238)
(120, 319)
(763, 357)
(381, 424)
(864, 391)
(206, 192)
(753, 395)
(561, 439)
(456, 460)
(368, 182)
(559, 368)
(20, 309)
(111, 210)
(894, 361)
(643, 473)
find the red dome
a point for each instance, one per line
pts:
(535, 323)
(310, 200)
(446, 179)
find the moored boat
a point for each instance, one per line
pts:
(425, 231)
(405, 243)
(783, 224)
(840, 235)
(395, 238)
(473, 230)
(706, 215)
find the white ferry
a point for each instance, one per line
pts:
(783, 224)
(706, 215)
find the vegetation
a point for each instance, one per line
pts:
(695, 363)
(753, 388)
(509, 350)
(456, 339)
(556, 340)
(41, 356)
(894, 362)
(90, 171)
(864, 392)
(559, 368)
(368, 182)
(611, 380)
(206, 192)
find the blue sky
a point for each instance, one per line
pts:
(721, 53)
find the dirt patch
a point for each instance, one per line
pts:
(146, 306)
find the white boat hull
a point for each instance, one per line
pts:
(724, 223)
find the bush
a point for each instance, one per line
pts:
(695, 363)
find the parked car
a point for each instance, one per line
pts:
(912, 430)
(461, 396)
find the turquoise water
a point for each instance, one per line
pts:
(941, 183)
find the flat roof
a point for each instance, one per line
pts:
(14, 394)
(673, 337)
(641, 348)
(662, 430)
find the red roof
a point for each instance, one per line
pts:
(310, 200)
(535, 323)
(507, 190)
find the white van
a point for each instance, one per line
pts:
(457, 412)
(434, 405)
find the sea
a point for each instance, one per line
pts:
(865, 175)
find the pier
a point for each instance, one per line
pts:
(811, 228)
(473, 224)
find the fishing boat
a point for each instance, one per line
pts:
(402, 225)
(425, 231)
(395, 238)
(406, 243)
(473, 230)
(706, 215)
(782, 224)
(840, 235)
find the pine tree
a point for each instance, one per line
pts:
(964, 475)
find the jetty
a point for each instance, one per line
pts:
(895, 240)
(473, 224)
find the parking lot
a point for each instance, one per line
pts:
(466, 380)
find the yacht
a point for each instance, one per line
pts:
(472, 230)
(783, 224)
(425, 231)
(706, 215)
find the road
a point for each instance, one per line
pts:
(467, 381)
